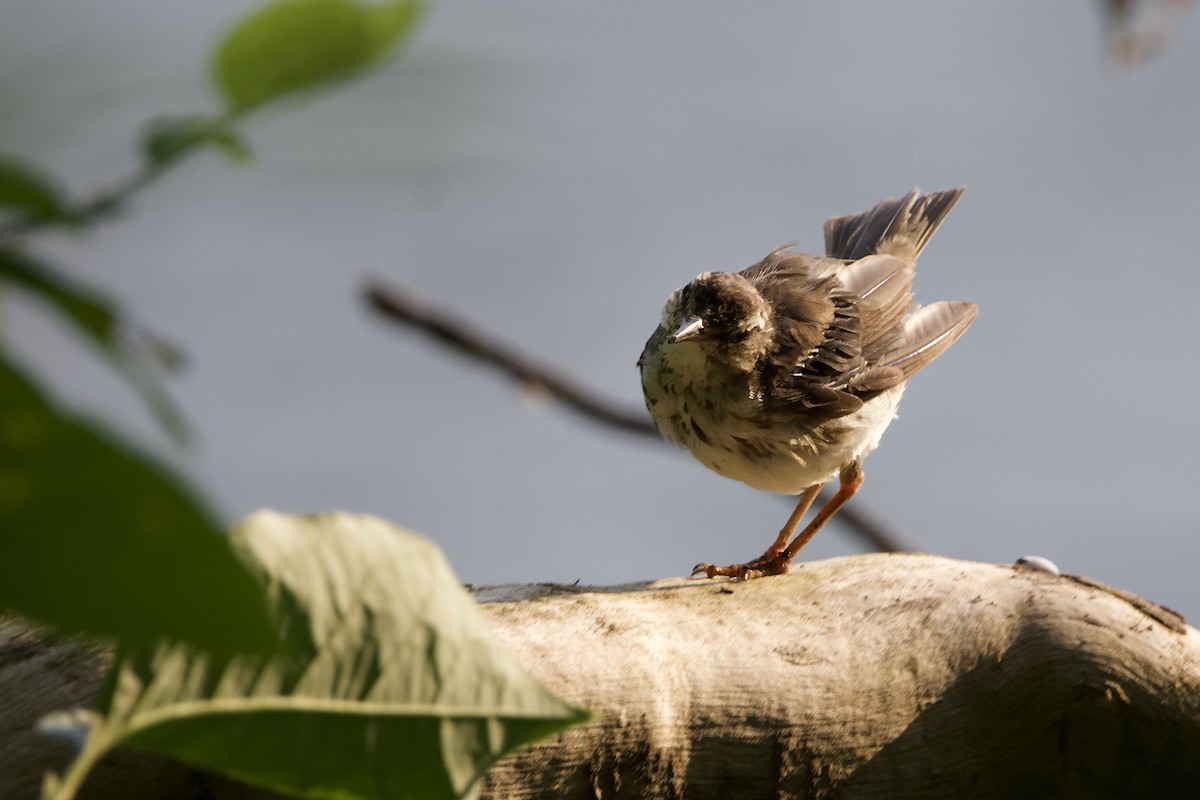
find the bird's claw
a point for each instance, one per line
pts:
(758, 568)
(735, 571)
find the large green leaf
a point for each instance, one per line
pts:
(390, 684)
(99, 538)
(100, 321)
(293, 45)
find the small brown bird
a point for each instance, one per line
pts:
(788, 372)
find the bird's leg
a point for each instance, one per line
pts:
(766, 563)
(789, 527)
(850, 479)
(779, 555)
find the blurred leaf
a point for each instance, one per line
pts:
(390, 685)
(91, 312)
(296, 44)
(28, 191)
(101, 322)
(174, 137)
(99, 538)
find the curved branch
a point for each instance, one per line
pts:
(468, 340)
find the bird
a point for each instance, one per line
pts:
(786, 374)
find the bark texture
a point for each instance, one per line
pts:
(885, 676)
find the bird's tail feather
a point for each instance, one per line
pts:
(900, 228)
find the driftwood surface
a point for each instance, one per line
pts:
(880, 676)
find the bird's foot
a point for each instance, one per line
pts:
(760, 567)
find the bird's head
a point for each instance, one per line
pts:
(720, 311)
(718, 307)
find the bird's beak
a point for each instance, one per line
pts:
(692, 328)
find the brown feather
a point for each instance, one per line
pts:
(843, 327)
(799, 289)
(882, 290)
(847, 324)
(929, 332)
(896, 227)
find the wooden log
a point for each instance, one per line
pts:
(881, 676)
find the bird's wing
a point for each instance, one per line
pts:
(816, 334)
(894, 338)
(879, 291)
(847, 329)
(928, 333)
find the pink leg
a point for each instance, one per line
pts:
(778, 557)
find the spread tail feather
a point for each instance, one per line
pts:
(900, 228)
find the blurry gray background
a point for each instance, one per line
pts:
(553, 171)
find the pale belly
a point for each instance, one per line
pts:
(784, 458)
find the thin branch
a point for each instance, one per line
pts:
(869, 526)
(464, 337)
(468, 340)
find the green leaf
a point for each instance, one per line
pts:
(293, 45)
(100, 321)
(92, 313)
(171, 138)
(390, 685)
(99, 538)
(28, 191)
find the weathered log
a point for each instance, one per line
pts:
(897, 676)
(883, 676)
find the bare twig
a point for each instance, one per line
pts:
(467, 339)
(462, 336)
(868, 526)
